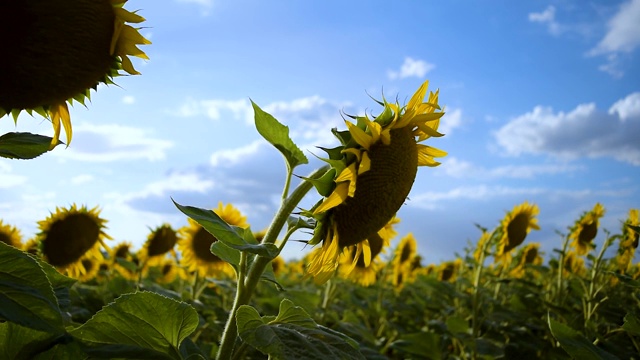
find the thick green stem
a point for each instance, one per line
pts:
(245, 291)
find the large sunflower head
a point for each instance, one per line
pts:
(160, 241)
(69, 235)
(58, 50)
(514, 228)
(195, 243)
(585, 229)
(10, 235)
(371, 174)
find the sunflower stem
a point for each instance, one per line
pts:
(561, 269)
(245, 288)
(476, 288)
(591, 305)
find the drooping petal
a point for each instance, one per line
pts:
(336, 198)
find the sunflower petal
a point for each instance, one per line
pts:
(336, 198)
(362, 138)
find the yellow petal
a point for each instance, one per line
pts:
(366, 252)
(419, 95)
(336, 198)
(60, 113)
(128, 66)
(430, 151)
(362, 138)
(128, 16)
(349, 174)
(365, 163)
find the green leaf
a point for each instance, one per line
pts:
(26, 295)
(22, 145)
(19, 342)
(425, 344)
(142, 325)
(457, 325)
(278, 135)
(226, 233)
(576, 345)
(292, 335)
(631, 324)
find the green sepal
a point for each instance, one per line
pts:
(334, 153)
(385, 116)
(325, 184)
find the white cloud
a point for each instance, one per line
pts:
(464, 169)
(217, 109)
(128, 100)
(7, 178)
(627, 108)
(82, 179)
(411, 68)
(112, 142)
(451, 120)
(230, 157)
(548, 17)
(430, 199)
(584, 131)
(178, 181)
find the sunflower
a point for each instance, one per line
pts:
(356, 270)
(169, 271)
(124, 261)
(10, 235)
(404, 254)
(574, 264)
(529, 255)
(31, 247)
(278, 265)
(160, 241)
(196, 242)
(514, 228)
(629, 242)
(585, 230)
(371, 174)
(448, 271)
(69, 235)
(91, 268)
(57, 50)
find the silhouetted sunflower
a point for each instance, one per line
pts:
(195, 244)
(585, 229)
(371, 175)
(68, 235)
(10, 235)
(448, 271)
(529, 255)
(404, 254)
(56, 51)
(514, 228)
(124, 262)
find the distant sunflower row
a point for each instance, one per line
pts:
(73, 240)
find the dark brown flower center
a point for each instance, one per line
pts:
(69, 238)
(202, 241)
(53, 50)
(5, 238)
(380, 191)
(122, 252)
(588, 233)
(530, 255)
(516, 231)
(163, 240)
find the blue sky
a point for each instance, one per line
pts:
(542, 102)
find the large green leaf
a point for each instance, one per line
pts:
(424, 344)
(26, 295)
(293, 335)
(576, 345)
(224, 232)
(19, 145)
(278, 135)
(19, 342)
(142, 325)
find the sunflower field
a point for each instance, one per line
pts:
(217, 289)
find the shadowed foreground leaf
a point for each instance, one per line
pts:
(142, 325)
(576, 345)
(293, 335)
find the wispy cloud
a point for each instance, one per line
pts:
(112, 142)
(82, 179)
(411, 68)
(457, 168)
(547, 17)
(584, 131)
(7, 178)
(128, 100)
(622, 36)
